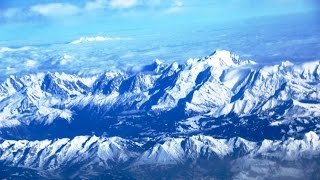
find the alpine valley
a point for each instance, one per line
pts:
(218, 117)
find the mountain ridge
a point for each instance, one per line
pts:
(91, 153)
(216, 86)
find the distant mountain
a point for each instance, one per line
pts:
(217, 108)
(96, 39)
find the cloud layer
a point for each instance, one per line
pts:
(55, 9)
(104, 44)
(94, 54)
(123, 3)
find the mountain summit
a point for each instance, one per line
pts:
(226, 58)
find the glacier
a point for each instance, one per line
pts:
(216, 110)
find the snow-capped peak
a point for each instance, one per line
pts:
(311, 136)
(156, 66)
(158, 61)
(224, 58)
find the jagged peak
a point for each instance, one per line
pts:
(286, 63)
(174, 66)
(171, 68)
(220, 52)
(156, 66)
(311, 136)
(158, 61)
(113, 74)
(62, 76)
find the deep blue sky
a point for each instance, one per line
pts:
(47, 21)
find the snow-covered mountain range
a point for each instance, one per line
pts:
(206, 110)
(91, 153)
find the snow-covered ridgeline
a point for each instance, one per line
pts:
(92, 151)
(215, 85)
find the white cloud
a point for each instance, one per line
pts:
(7, 49)
(65, 59)
(123, 3)
(115, 4)
(97, 4)
(31, 63)
(59, 10)
(175, 7)
(153, 3)
(9, 68)
(55, 9)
